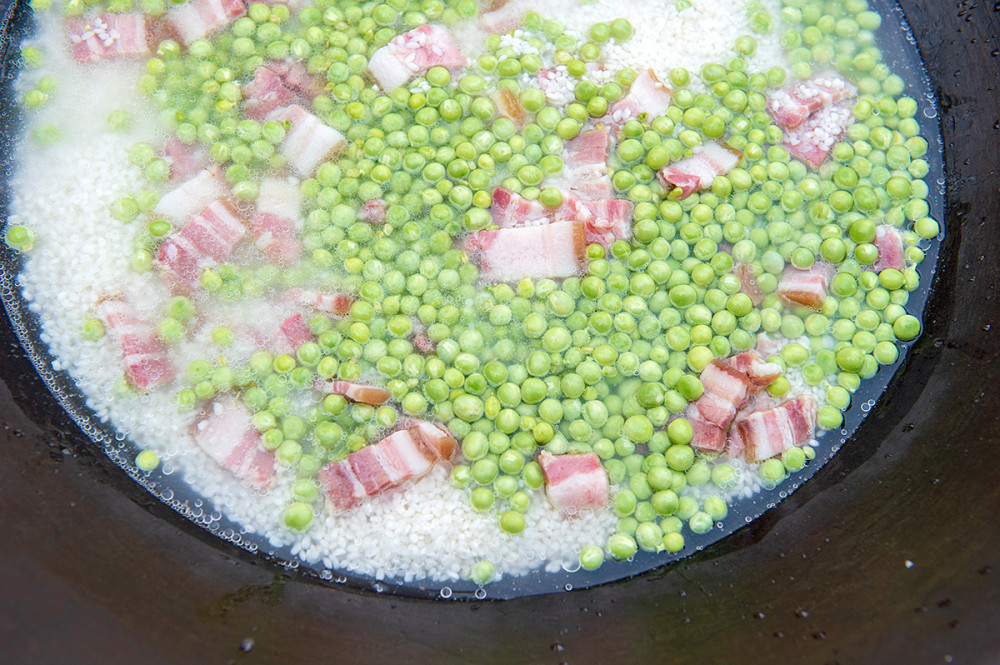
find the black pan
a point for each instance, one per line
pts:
(890, 553)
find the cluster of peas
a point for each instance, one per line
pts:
(601, 363)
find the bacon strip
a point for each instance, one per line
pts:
(308, 141)
(181, 203)
(107, 36)
(805, 287)
(294, 332)
(587, 165)
(700, 170)
(648, 97)
(337, 304)
(511, 254)
(791, 105)
(405, 454)
(200, 18)
(574, 481)
(356, 392)
(274, 225)
(748, 282)
(185, 160)
(814, 140)
(144, 356)
(276, 84)
(227, 434)
(611, 220)
(203, 242)
(889, 243)
(770, 432)
(413, 53)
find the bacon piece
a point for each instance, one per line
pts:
(791, 105)
(190, 198)
(337, 304)
(107, 36)
(574, 481)
(611, 220)
(889, 243)
(276, 84)
(502, 17)
(587, 165)
(646, 99)
(308, 141)
(206, 239)
(413, 53)
(814, 140)
(508, 255)
(185, 160)
(700, 170)
(144, 356)
(760, 374)
(510, 210)
(748, 282)
(509, 106)
(275, 222)
(707, 436)
(404, 454)
(295, 332)
(770, 432)
(373, 212)
(200, 18)
(805, 287)
(228, 436)
(356, 392)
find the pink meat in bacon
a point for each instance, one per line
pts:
(228, 436)
(276, 237)
(185, 160)
(814, 140)
(760, 374)
(706, 436)
(295, 332)
(200, 18)
(510, 210)
(436, 439)
(373, 212)
(369, 469)
(276, 84)
(337, 304)
(611, 220)
(792, 105)
(342, 488)
(356, 392)
(308, 140)
(805, 287)
(215, 231)
(144, 356)
(574, 481)
(107, 36)
(181, 203)
(889, 243)
(413, 53)
(770, 432)
(748, 282)
(509, 255)
(586, 167)
(700, 170)
(647, 98)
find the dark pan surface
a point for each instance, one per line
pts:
(888, 553)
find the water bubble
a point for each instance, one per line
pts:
(445, 592)
(480, 594)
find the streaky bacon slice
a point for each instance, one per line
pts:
(748, 282)
(202, 242)
(586, 167)
(185, 160)
(647, 97)
(805, 287)
(770, 432)
(790, 106)
(499, 17)
(144, 356)
(274, 223)
(228, 436)
(294, 332)
(700, 170)
(107, 36)
(760, 374)
(278, 83)
(308, 141)
(403, 455)
(337, 304)
(194, 195)
(706, 436)
(356, 392)
(611, 220)
(508, 255)
(511, 210)
(575, 481)
(889, 243)
(200, 18)
(814, 140)
(413, 53)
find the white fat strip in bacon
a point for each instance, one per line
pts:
(200, 18)
(889, 243)
(279, 196)
(760, 374)
(413, 53)
(403, 456)
(337, 304)
(575, 481)
(770, 432)
(647, 97)
(215, 231)
(356, 392)
(181, 203)
(228, 436)
(108, 35)
(792, 105)
(502, 17)
(509, 255)
(341, 486)
(275, 222)
(308, 141)
(436, 439)
(805, 287)
(748, 282)
(144, 356)
(700, 170)
(369, 469)
(185, 160)
(814, 140)
(586, 168)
